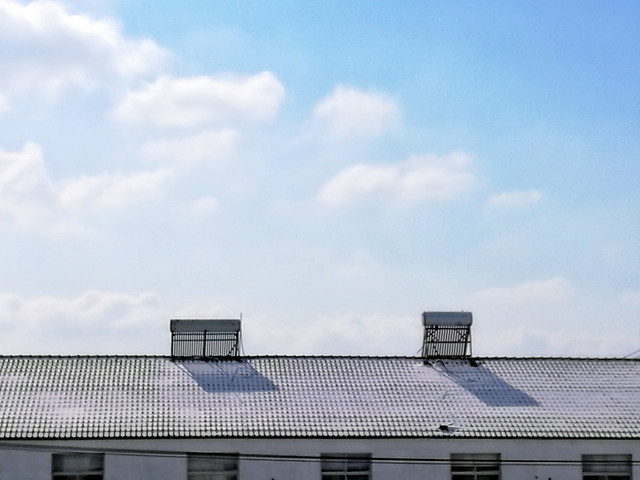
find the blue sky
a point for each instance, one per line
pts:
(328, 169)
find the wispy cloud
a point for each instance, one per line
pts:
(209, 145)
(113, 190)
(94, 322)
(515, 199)
(48, 50)
(548, 290)
(348, 112)
(192, 101)
(525, 340)
(27, 195)
(427, 178)
(534, 317)
(204, 205)
(631, 298)
(31, 199)
(348, 333)
(4, 104)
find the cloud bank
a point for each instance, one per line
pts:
(92, 323)
(30, 198)
(426, 178)
(47, 50)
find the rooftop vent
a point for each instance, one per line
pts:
(205, 338)
(446, 334)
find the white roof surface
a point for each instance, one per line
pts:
(330, 397)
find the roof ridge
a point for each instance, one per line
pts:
(314, 356)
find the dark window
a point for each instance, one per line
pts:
(475, 466)
(212, 467)
(606, 467)
(77, 466)
(346, 467)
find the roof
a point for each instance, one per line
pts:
(331, 397)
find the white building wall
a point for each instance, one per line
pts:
(166, 459)
(24, 464)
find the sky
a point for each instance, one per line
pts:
(325, 170)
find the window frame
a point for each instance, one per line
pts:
(348, 466)
(61, 471)
(616, 466)
(217, 468)
(475, 465)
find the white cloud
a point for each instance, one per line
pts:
(208, 145)
(359, 264)
(349, 333)
(515, 199)
(193, 101)
(419, 179)
(549, 290)
(631, 298)
(26, 193)
(550, 316)
(92, 323)
(102, 322)
(207, 310)
(31, 199)
(348, 112)
(204, 206)
(531, 341)
(113, 190)
(46, 49)
(4, 104)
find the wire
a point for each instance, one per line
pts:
(289, 457)
(632, 353)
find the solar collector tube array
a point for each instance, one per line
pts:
(205, 338)
(446, 334)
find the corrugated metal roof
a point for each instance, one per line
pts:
(340, 397)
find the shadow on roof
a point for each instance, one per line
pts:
(227, 376)
(485, 385)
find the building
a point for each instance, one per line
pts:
(207, 413)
